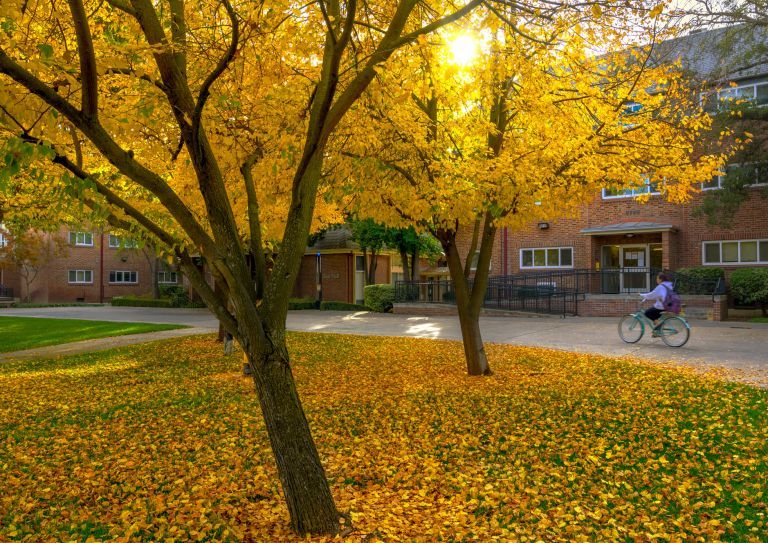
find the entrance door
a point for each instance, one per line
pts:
(634, 264)
(359, 279)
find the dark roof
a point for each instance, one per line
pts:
(626, 227)
(335, 238)
(719, 55)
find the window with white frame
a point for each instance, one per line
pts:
(80, 276)
(3, 240)
(751, 251)
(115, 242)
(547, 257)
(646, 188)
(756, 93)
(123, 277)
(81, 239)
(753, 175)
(167, 277)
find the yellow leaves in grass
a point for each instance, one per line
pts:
(165, 442)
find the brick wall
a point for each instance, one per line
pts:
(681, 248)
(338, 276)
(696, 307)
(52, 282)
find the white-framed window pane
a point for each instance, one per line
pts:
(72, 276)
(762, 94)
(712, 253)
(527, 260)
(730, 251)
(553, 257)
(539, 257)
(114, 241)
(360, 263)
(748, 251)
(566, 257)
(713, 183)
(764, 251)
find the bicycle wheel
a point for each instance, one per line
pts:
(674, 332)
(631, 329)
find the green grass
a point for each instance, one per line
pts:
(165, 441)
(759, 319)
(19, 333)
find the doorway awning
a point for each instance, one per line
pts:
(627, 228)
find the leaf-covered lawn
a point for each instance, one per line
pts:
(18, 333)
(164, 442)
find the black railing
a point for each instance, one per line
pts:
(6, 292)
(554, 291)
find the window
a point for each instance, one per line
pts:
(123, 277)
(167, 277)
(115, 242)
(752, 174)
(360, 263)
(757, 93)
(550, 257)
(3, 240)
(81, 239)
(646, 188)
(80, 276)
(752, 251)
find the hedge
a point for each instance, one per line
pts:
(699, 280)
(342, 306)
(301, 303)
(139, 302)
(380, 298)
(750, 286)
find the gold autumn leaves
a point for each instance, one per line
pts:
(558, 447)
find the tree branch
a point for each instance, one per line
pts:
(88, 73)
(254, 222)
(214, 75)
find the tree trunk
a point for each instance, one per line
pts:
(415, 264)
(468, 306)
(406, 268)
(474, 349)
(301, 473)
(372, 268)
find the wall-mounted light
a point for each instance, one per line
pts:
(543, 226)
(124, 258)
(630, 235)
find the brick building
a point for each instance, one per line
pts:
(334, 267)
(88, 266)
(615, 231)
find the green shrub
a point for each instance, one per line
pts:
(449, 296)
(750, 286)
(301, 303)
(379, 298)
(342, 306)
(125, 301)
(700, 280)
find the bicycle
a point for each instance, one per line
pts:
(673, 329)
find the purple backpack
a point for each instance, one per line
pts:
(672, 301)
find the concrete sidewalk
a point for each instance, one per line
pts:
(732, 344)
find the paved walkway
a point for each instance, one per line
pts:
(738, 345)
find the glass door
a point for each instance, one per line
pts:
(634, 264)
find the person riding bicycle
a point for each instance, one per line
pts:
(658, 295)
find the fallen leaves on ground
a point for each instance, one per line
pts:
(164, 442)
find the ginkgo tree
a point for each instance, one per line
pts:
(203, 127)
(529, 131)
